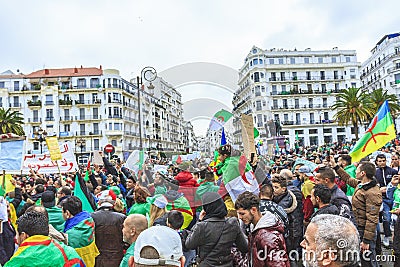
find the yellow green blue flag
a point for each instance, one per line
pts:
(379, 133)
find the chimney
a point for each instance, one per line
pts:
(46, 71)
(76, 70)
(81, 67)
(101, 67)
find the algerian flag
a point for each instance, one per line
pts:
(219, 119)
(79, 191)
(136, 160)
(239, 177)
(177, 159)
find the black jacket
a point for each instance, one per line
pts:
(329, 209)
(108, 236)
(205, 235)
(278, 211)
(7, 244)
(291, 202)
(342, 202)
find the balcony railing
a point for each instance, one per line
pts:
(115, 116)
(304, 92)
(306, 78)
(65, 102)
(314, 106)
(34, 119)
(47, 103)
(49, 119)
(88, 133)
(88, 117)
(66, 118)
(130, 119)
(308, 122)
(32, 103)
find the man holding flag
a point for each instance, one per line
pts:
(237, 174)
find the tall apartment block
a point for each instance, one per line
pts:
(382, 68)
(97, 106)
(295, 90)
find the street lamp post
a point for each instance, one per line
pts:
(149, 74)
(40, 135)
(80, 143)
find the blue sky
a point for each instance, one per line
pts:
(128, 35)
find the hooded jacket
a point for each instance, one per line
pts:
(188, 186)
(267, 244)
(215, 235)
(293, 207)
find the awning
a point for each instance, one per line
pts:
(34, 80)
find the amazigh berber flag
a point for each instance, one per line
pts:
(379, 133)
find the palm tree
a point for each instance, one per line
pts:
(11, 122)
(352, 106)
(378, 96)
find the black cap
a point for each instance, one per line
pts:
(48, 199)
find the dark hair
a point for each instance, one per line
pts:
(267, 191)
(33, 223)
(141, 194)
(40, 181)
(380, 156)
(209, 176)
(347, 158)
(368, 168)
(280, 180)
(40, 209)
(175, 218)
(72, 204)
(66, 190)
(246, 201)
(103, 187)
(52, 189)
(327, 172)
(39, 188)
(323, 192)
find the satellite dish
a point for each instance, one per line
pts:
(100, 89)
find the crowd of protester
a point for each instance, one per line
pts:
(182, 215)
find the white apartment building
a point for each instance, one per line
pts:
(190, 140)
(382, 68)
(167, 127)
(296, 89)
(90, 104)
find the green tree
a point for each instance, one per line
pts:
(11, 122)
(378, 96)
(352, 106)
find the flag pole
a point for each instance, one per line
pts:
(3, 183)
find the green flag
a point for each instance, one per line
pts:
(239, 177)
(219, 119)
(380, 131)
(78, 192)
(256, 133)
(141, 159)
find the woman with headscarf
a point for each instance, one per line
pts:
(213, 236)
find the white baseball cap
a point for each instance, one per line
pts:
(165, 240)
